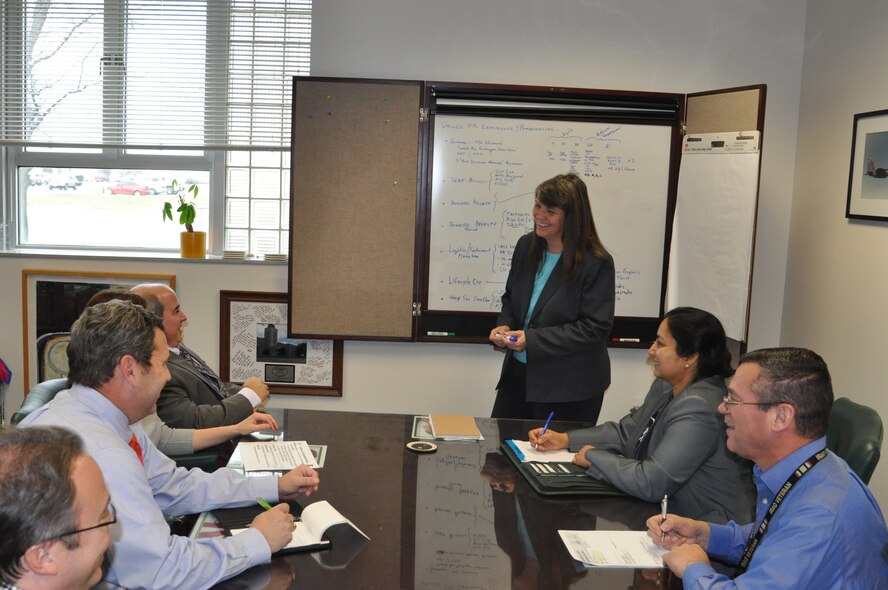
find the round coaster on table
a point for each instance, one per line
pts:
(421, 446)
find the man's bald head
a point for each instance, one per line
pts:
(162, 301)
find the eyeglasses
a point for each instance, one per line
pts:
(730, 401)
(113, 519)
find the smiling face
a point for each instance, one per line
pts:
(747, 426)
(677, 370)
(173, 317)
(549, 224)
(151, 379)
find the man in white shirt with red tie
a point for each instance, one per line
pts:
(195, 397)
(118, 364)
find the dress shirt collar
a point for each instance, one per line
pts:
(102, 406)
(776, 476)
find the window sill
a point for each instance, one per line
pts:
(129, 255)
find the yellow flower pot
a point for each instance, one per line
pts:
(193, 244)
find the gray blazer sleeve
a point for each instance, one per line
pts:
(188, 401)
(688, 436)
(621, 437)
(170, 441)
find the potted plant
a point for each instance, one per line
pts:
(193, 244)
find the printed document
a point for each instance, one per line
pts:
(276, 455)
(630, 549)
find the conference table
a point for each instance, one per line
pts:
(461, 518)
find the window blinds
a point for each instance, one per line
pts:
(202, 74)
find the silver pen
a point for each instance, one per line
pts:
(664, 505)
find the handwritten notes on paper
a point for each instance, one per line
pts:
(484, 174)
(259, 347)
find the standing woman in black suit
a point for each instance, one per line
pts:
(557, 311)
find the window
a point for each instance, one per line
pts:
(106, 99)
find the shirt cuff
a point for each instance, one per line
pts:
(253, 545)
(264, 486)
(719, 540)
(694, 572)
(251, 395)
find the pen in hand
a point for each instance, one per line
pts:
(664, 505)
(264, 503)
(545, 428)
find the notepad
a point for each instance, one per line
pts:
(527, 453)
(615, 549)
(449, 427)
(317, 520)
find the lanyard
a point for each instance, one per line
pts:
(755, 535)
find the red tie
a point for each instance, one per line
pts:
(134, 444)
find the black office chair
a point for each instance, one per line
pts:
(855, 435)
(40, 394)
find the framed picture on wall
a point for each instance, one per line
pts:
(868, 179)
(254, 343)
(52, 300)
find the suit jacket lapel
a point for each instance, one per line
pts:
(550, 287)
(179, 361)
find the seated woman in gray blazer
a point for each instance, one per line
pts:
(674, 444)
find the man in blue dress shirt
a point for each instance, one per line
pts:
(817, 524)
(118, 363)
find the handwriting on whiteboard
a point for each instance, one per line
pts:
(484, 173)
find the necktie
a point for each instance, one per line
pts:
(202, 368)
(134, 445)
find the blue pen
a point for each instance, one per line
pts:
(545, 427)
(509, 338)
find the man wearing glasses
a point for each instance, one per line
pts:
(817, 524)
(118, 364)
(55, 511)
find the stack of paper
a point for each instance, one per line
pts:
(234, 254)
(276, 257)
(448, 427)
(632, 549)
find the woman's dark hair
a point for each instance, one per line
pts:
(115, 293)
(568, 193)
(699, 332)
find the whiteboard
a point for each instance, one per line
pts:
(484, 172)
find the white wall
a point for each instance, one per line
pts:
(676, 46)
(837, 278)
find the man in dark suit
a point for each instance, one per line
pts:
(195, 397)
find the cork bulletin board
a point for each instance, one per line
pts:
(354, 189)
